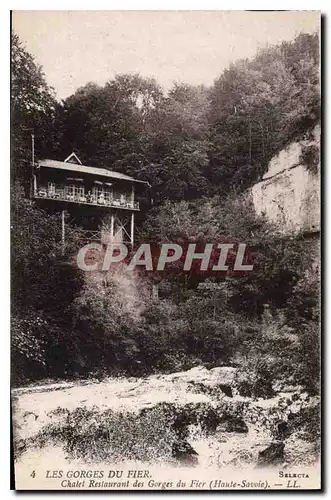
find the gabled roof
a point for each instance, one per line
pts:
(73, 158)
(101, 172)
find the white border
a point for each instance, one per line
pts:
(323, 6)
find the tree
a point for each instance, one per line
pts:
(32, 109)
(259, 106)
(105, 124)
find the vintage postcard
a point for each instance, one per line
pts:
(165, 250)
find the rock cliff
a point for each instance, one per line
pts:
(289, 192)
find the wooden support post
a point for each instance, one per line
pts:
(63, 232)
(34, 184)
(32, 143)
(132, 229)
(155, 292)
(132, 195)
(112, 227)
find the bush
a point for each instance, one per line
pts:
(310, 157)
(103, 437)
(28, 349)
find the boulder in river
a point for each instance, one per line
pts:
(273, 455)
(226, 389)
(231, 423)
(184, 453)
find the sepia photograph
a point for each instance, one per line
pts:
(165, 250)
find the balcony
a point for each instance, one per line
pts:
(87, 200)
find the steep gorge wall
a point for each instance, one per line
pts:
(289, 193)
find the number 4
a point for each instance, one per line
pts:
(33, 473)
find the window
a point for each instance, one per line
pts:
(79, 190)
(101, 190)
(74, 190)
(107, 195)
(51, 188)
(69, 190)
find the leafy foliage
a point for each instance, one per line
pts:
(33, 106)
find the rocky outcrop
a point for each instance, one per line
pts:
(232, 424)
(273, 455)
(289, 192)
(184, 453)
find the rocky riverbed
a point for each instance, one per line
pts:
(189, 418)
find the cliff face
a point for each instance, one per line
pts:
(289, 193)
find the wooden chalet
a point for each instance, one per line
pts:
(102, 202)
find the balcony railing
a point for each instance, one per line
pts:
(87, 200)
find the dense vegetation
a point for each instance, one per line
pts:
(199, 148)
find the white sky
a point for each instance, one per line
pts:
(75, 47)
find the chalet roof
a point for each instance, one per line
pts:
(73, 158)
(73, 167)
